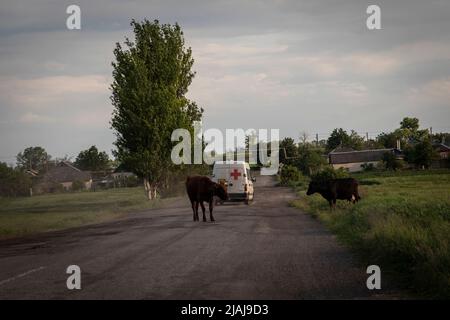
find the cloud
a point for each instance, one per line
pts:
(45, 91)
(436, 92)
(98, 117)
(31, 117)
(328, 65)
(371, 64)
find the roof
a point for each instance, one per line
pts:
(359, 156)
(440, 147)
(342, 149)
(65, 172)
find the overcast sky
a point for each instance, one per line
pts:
(294, 65)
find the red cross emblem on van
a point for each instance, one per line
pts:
(235, 174)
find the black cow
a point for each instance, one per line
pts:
(342, 189)
(199, 189)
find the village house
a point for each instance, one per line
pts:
(116, 179)
(61, 177)
(442, 149)
(355, 160)
(444, 156)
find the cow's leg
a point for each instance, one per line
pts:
(193, 209)
(331, 204)
(203, 210)
(334, 204)
(211, 206)
(196, 210)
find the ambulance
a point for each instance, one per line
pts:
(236, 178)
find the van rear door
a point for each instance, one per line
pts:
(236, 180)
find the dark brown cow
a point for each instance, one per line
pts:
(199, 189)
(342, 189)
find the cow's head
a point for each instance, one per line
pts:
(219, 190)
(312, 188)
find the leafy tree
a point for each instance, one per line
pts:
(409, 129)
(442, 137)
(288, 149)
(13, 182)
(411, 124)
(372, 144)
(328, 173)
(34, 158)
(388, 140)
(289, 174)
(310, 160)
(93, 160)
(151, 78)
(355, 141)
(391, 162)
(340, 137)
(322, 144)
(420, 154)
(337, 137)
(407, 132)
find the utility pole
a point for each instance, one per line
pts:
(317, 139)
(367, 136)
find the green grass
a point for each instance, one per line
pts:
(401, 224)
(30, 215)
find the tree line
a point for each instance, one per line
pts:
(309, 158)
(17, 181)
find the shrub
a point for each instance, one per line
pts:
(420, 154)
(309, 160)
(289, 174)
(13, 182)
(391, 162)
(78, 185)
(329, 173)
(368, 167)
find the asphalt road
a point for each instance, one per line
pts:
(267, 250)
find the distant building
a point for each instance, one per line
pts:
(61, 177)
(444, 156)
(353, 160)
(117, 179)
(442, 149)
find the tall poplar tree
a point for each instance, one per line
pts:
(151, 79)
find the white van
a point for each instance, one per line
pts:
(235, 177)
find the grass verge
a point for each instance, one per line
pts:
(401, 224)
(26, 216)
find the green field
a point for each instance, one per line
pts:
(401, 224)
(29, 215)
